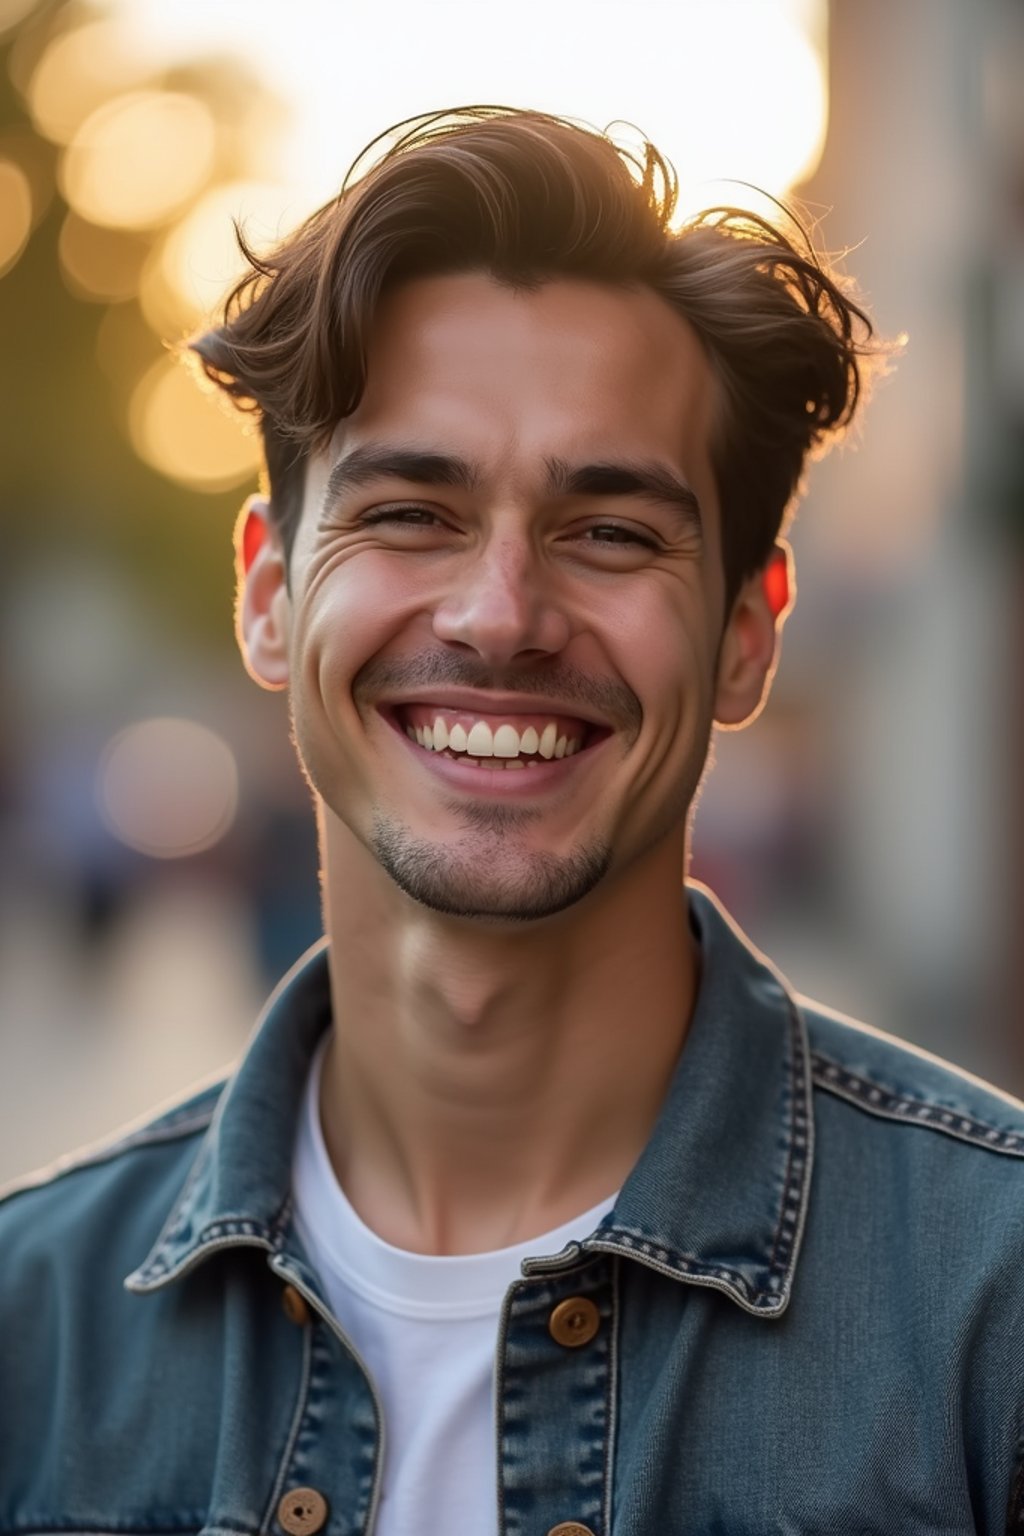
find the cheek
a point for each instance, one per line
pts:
(662, 641)
(360, 612)
(323, 662)
(349, 615)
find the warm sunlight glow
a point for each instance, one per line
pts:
(774, 132)
(15, 213)
(187, 432)
(199, 259)
(174, 121)
(140, 158)
(79, 71)
(734, 89)
(13, 11)
(168, 787)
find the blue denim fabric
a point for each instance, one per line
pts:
(810, 1291)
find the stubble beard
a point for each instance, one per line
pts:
(487, 877)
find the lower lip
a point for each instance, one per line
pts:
(498, 781)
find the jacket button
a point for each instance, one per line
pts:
(572, 1323)
(296, 1309)
(302, 1512)
(570, 1528)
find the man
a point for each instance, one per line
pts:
(538, 1204)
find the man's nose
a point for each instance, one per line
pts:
(503, 606)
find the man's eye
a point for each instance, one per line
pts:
(616, 533)
(410, 517)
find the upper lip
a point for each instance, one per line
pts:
(472, 701)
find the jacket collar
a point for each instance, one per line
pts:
(717, 1198)
(719, 1195)
(239, 1187)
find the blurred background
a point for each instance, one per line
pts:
(157, 858)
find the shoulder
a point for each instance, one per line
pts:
(899, 1085)
(104, 1205)
(916, 1201)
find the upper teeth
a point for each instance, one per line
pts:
(481, 741)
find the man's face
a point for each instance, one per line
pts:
(504, 635)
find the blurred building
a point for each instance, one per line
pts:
(901, 678)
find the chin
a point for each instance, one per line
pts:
(498, 885)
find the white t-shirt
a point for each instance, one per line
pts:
(426, 1328)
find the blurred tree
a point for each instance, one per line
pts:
(71, 480)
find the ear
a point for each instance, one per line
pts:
(263, 610)
(750, 644)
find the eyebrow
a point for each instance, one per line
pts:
(381, 461)
(645, 479)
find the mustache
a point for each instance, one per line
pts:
(605, 696)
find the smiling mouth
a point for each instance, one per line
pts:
(495, 741)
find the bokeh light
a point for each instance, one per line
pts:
(137, 160)
(779, 77)
(168, 787)
(79, 72)
(13, 11)
(15, 213)
(198, 260)
(187, 433)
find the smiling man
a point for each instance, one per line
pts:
(539, 1205)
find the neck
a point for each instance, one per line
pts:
(488, 1083)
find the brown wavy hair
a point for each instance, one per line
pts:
(529, 197)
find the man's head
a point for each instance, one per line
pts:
(529, 197)
(529, 452)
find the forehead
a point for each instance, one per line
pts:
(505, 376)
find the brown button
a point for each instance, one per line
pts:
(302, 1512)
(570, 1528)
(572, 1323)
(296, 1309)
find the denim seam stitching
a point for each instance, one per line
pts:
(271, 1236)
(168, 1131)
(793, 1205)
(686, 1263)
(905, 1109)
(232, 1234)
(676, 1265)
(228, 1226)
(293, 1433)
(158, 1267)
(190, 1527)
(611, 1408)
(500, 1415)
(794, 1194)
(278, 1229)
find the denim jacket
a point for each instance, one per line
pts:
(809, 1307)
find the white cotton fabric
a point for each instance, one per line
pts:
(426, 1328)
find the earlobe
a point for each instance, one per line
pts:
(750, 644)
(263, 612)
